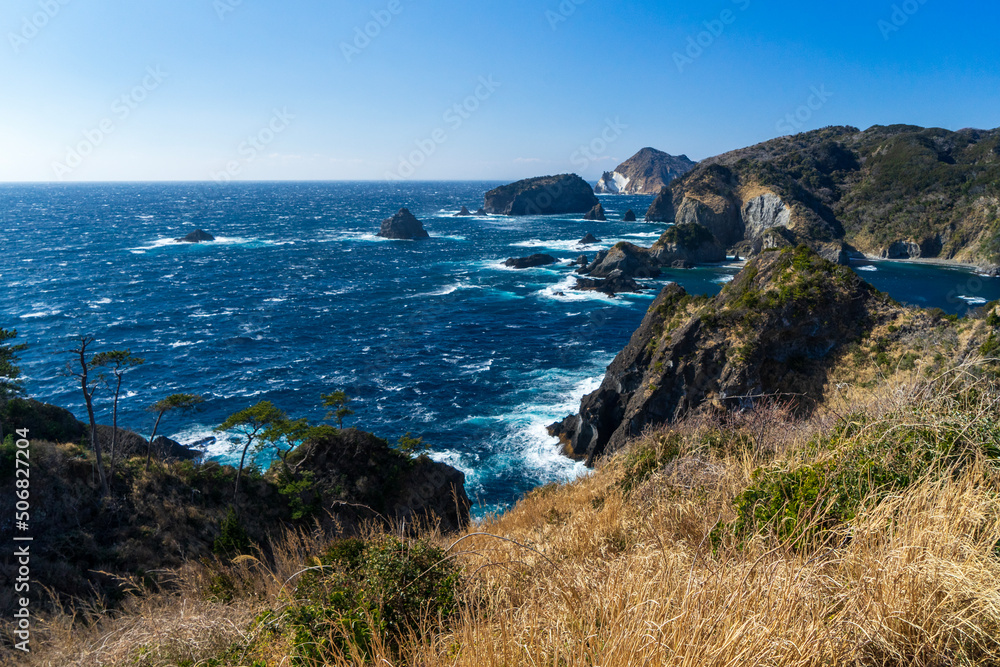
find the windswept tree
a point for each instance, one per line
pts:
(251, 424)
(118, 362)
(285, 435)
(182, 402)
(89, 384)
(338, 400)
(10, 374)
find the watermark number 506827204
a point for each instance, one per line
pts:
(22, 540)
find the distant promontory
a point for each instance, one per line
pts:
(644, 173)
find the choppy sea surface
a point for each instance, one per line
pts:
(298, 297)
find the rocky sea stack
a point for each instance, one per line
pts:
(589, 239)
(629, 216)
(546, 195)
(530, 262)
(775, 330)
(197, 236)
(464, 213)
(403, 226)
(644, 173)
(596, 213)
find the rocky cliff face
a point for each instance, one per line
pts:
(775, 330)
(547, 195)
(688, 244)
(898, 192)
(645, 173)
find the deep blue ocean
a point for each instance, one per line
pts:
(298, 297)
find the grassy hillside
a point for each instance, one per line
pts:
(866, 534)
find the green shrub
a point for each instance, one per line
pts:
(648, 457)
(304, 498)
(7, 456)
(384, 588)
(865, 459)
(233, 539)
(991, 347)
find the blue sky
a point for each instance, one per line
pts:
(259, 90)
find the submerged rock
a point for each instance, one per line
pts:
(197, 236)
(403, 226)
(530, 262)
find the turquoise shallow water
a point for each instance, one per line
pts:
(298, 298)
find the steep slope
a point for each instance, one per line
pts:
(893, 192)
(779, 329)
(645, 173)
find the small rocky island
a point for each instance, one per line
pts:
(464, 213)
(403, 226)
(589, 239)
(629, 216)
(546, 195)
(197, 236)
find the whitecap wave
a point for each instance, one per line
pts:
(219, 241)
(38, 314)
(866, 267)
(564, 245)
(973, 300)
(565, 291)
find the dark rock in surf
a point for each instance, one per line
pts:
(530, 262)
(596, 213)
(403, 226)
(197, 236)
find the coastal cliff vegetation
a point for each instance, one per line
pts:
(863, 531)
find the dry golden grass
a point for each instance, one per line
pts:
(608, 572)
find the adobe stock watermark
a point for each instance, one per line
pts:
(121, 109)
(32, 25)
(589, 153)
(900, 16)
(254, 145)
(562, 13)
(225, 7)
(698, 44)
(454, 117)
(364, 35)
(794, 122)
